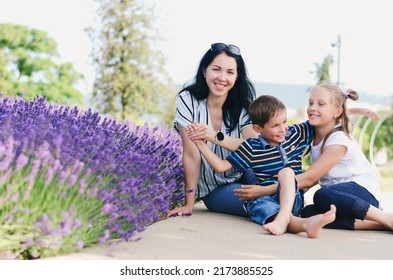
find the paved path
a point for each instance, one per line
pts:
(207, 235)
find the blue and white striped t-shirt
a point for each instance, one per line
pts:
(189, 110)
(267, 160)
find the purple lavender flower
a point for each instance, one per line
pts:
(21, 161)
(50, 173)
(113, 179)
(79, 245)
(72, 180)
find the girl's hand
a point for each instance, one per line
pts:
(373, 115)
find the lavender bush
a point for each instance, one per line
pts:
(70, 179)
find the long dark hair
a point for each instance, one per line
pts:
(239, 97)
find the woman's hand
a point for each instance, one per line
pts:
(183, 211)
(200, 131)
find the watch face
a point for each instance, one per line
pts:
(220, 136)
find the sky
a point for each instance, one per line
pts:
(281, 41)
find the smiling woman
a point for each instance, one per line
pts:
(214, 108)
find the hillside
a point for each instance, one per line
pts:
(296, 96)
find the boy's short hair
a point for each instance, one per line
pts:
(263, 108)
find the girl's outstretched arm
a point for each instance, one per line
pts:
(364, 112)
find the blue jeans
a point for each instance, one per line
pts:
(351, 200)
(262, 209)
(222, 199)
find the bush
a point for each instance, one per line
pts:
(70, 179)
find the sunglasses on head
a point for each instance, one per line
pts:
(217, 47)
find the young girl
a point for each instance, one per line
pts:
(346, 177)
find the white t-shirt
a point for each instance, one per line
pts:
(353, 166)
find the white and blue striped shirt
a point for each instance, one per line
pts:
(267, 160)
(189, 110)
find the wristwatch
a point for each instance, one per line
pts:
(218, 138)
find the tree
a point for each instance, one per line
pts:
(322, 70)
(28, 66)
(130, 79)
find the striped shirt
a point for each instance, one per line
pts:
(190, 110)
(267, 160)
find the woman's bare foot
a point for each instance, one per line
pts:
(314, 224)
(278, 226)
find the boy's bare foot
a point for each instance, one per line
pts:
(314, 224)
(278, 226)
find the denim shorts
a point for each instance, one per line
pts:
(261, 209)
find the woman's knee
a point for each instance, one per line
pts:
(249, 177)
(223, 200)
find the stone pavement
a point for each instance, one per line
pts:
(213, 236)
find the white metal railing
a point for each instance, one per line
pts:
(363, 130)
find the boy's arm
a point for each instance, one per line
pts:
(248, 192)
(218, 164)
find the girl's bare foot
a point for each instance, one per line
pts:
(314, 224)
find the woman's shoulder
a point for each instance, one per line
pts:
(184, 94)
(186, 97)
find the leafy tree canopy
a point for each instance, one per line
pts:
(28, 66)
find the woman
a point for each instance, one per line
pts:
(215, 108)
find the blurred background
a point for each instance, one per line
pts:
(129, 58)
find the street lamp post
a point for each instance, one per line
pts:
(338, 45)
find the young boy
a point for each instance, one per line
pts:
(275, 157)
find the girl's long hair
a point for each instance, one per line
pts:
(339, 98)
